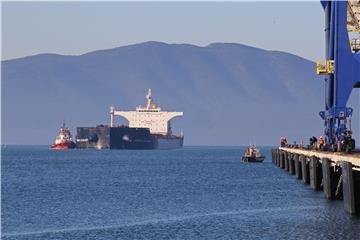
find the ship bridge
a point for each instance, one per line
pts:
(149, 116)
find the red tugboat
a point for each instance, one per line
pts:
(64, 139)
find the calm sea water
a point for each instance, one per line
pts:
(192, 193)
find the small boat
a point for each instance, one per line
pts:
(64, 139)
(252, 154)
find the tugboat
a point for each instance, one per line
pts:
(252, 154)
(63, 140)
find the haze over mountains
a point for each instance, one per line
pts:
(231, 94)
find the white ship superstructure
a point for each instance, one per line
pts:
(149, 116)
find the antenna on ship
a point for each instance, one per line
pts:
(149, 100)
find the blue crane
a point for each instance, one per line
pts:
(341, 68)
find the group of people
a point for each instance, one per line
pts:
(315, 144)
(283, 141)
(345, 144)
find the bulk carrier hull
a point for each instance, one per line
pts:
(168, 142)
(105, 137)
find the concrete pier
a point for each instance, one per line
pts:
(279, 155)
(305, 170)
(337, 174)
(327, 183)
(348, 187)
(287, 161)
(315, 173)
(282, 159)
(292, 164)
(356, 179)
(297, 166)
(273, 157)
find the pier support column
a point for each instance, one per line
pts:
(287, 161)
(326, 178)
(278, 157)
(282, 159)
(350, 201)
(315, 174)
(356, 176)
(292, 164)
(297, 164)
(274, 156)
(330, 178)
(304, 170)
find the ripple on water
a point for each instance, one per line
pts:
(193, 193)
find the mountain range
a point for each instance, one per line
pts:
(231, 94)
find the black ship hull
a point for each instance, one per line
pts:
(253, 159)
(105, 137)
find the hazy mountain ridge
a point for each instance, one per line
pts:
(230, 93)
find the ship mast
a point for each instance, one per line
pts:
(112, 110)
(149, 99)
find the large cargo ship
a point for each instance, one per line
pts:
(149, 128)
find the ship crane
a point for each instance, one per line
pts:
(341, 67)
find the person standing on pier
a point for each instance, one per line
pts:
(283, 141)
(321, 142)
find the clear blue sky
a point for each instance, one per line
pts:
(74, 28)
